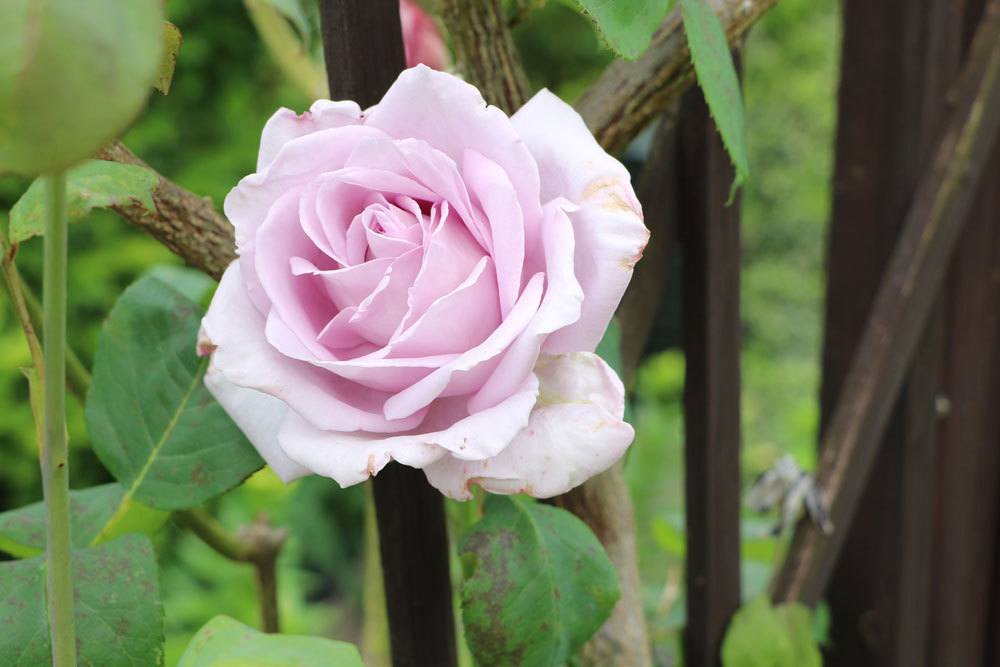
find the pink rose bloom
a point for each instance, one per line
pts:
(425, 281)
(421, 37)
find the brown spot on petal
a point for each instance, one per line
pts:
(608, 194)
(371, 465)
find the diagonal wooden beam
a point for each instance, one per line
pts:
(906, 295)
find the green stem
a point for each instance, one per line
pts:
(214, 534)
(55, 463)
(258, 544)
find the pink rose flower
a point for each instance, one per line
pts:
(425, 281)
(421, 37)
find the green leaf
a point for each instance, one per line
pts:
(73, 75)
(224, 642)
(168, 61)
(119, 621)
(764, 636)
(152, 421)
(626, 25)
(538, 584)
(93, 184)
(669, 538)
(93, 519)
(713, 63)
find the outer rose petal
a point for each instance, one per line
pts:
(352, 458)
(609, 232)
(286, 125)
(575, 432)
(259, 416)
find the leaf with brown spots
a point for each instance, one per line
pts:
(94, 518)
(153, 423)
(119, 620)
(538, 584)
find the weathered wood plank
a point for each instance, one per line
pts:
(968, 466)
(710, 238)
(363, 46)
(906, 295)
(889, 105)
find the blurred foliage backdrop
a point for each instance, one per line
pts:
(204, 135)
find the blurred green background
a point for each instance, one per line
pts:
(204, 135)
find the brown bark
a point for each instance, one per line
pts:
(484, 51)
(187, 224)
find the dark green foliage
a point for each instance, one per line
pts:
(153, 423)
(537, 584)
(118, 615)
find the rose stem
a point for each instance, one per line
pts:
(55, 463)
(363, 45)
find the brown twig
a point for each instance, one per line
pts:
(258, 544)
(906, 295)
(185, 223)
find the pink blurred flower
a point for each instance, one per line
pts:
(421, 37)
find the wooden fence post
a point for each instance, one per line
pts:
(890, 104)
(905, 299)
(967, 528)
(710, 257)
(363, 45)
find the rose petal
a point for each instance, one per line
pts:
(298, 162)
(420, 394)
(297, 300)
(452, 116)
(286, 125)
(457, 321)
(498, 199)
(608, 227)
(382, 311)
(244, 357)
(352, 458)
(560, 307)
(575, 432)
(450, 254)
(259, 416)
(348, 286)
